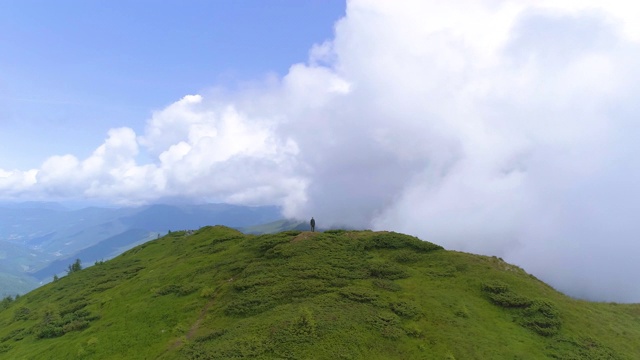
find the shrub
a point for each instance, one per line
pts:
(280, 251)
(510, 300)
(542, 317)
(211, 335)
(6, 302)
(538, 315)
(268, 242)
(250, 306)
(387, 271)
(22, 313)
(75, 325)
(414, 332)
(392, 240)
(358, 294)
(388, 324)
(335, 231)
(207, 292)
(49, 331)
(405, 309)
(338, 282)
(73, 306)
(387, 285)
(186, 289)
(17, 334)
(167, 289)
(500, 294)
(252, 282)
(179, 290)
(75, 267)
(222, 239)
(304, 324)
(495, 287)
(302, 288)
(462, 312)
(406, 256)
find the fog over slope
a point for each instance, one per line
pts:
(506, 128)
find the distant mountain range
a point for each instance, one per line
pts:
(40, 239)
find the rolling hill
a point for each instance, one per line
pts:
(217, 293)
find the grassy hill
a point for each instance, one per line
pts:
(38, 240)
(219, 294)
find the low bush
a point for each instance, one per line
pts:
(268, 242)
(392, 240)
(73, 306)
(405, 309)
(510, 300)
(280, 251)
(49, 331)
(54, 325)
(359, 294)
(252, 282)
(221, 239)
(406, 256)
(207, 292)
(386, 285)
(179, 290)
(462, 312)
(500, 294)
(335, 231)
(21, 313)
(388, 325)
(495, 287)
(538, 315)
(300, 289)
(248, 306)
(387, 271)
(6, 302)
(16, 335)
(414, 332)
(304, 325)
(542, 317)
(75, 325)
(212, 335)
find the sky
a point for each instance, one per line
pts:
(498, 127)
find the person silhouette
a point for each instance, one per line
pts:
(313, 224)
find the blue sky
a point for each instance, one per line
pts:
(70, 70)
(505, 128)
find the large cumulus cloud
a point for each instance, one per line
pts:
(499, 127)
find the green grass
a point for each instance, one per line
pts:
(220, 294)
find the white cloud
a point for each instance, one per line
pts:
(498, 127)
(13, 183)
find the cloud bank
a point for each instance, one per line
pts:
(505, 128)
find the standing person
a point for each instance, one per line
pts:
(313, 224)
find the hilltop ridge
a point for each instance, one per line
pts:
(217, 293)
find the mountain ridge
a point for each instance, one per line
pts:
(217, 293)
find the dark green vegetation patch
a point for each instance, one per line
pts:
(219, 294)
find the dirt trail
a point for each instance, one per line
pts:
(304, 236)
(203, 313)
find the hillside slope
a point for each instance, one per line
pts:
(219, 294)
(39, 240)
